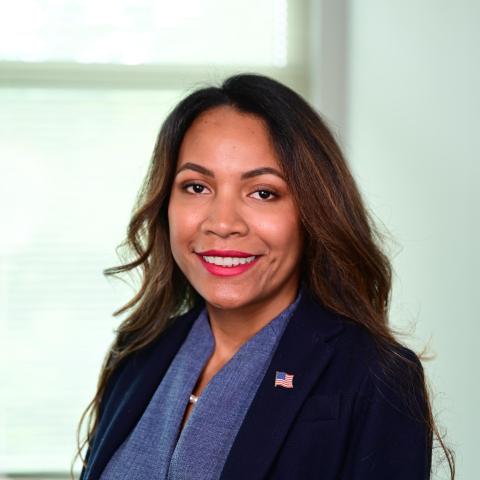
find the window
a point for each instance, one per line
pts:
(84, 87)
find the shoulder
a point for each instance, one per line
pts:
(369, 398)
(384, 396)
(148, 361)
(388, 377)
(364, 366)
(386, 402)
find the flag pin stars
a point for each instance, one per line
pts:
(284, 379)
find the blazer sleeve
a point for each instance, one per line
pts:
(389, 436)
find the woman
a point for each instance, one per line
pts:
(258, 345)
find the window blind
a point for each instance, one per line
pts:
(72, 157)
(72, 161)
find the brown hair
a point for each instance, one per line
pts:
(343, 262)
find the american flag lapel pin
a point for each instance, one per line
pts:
(284, 379)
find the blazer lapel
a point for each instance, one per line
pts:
(303, 352)
(133, 392)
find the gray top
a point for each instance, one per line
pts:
(155, 450)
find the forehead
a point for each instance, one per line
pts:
(224, 136)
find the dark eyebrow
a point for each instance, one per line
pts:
(250, 174)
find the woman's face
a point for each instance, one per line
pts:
(234, 227)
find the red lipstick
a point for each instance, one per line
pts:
(221, 271)
(225, 253)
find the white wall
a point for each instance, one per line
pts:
(412, 138)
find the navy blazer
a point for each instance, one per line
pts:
(339, 421)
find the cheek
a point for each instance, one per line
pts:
(282, 233)
(182, 222)
(176, 229)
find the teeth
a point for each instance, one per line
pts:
(229, 261)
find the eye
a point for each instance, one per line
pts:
(265, 194)
(194, 188)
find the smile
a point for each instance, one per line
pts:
(228, 261)
(227, 266)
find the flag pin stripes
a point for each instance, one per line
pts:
(283, 379)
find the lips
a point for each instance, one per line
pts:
(226, 253)
(226, 271)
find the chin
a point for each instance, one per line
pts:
(226, 299)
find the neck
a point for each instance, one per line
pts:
(233, 327)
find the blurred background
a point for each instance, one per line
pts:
(84, 88)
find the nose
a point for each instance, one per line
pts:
(223, 218)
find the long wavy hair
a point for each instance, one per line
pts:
(344, 264)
